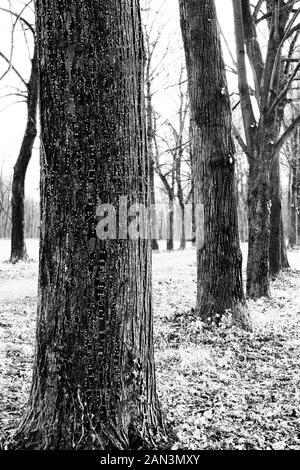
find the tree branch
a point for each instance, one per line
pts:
(14, 69)
(294, 124)
(253, 47)
(240, 140)
(29, 26)
(245, 98)
(283, 93)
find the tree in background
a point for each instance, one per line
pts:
(5, 208)
(220, 285)
(93, 381)
(277, 246)
(29, 94)
(164, 133)
(273, 75)
(172, 162)
(293, 157)
(31, 208)
(166, 171)
(242, 190)
(18, 248)
(152, 40)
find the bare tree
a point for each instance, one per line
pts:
(31, 209)
(29, 93)
(292, 153)
(166, 173)
(5, 209)
(273, 76)
(154, 80)
(242, 191)
(172, 161)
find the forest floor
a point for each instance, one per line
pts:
(220, 389)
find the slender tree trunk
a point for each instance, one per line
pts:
(150, 136)
(220, 285)
(180, 195)
(292, 210)
(170, 225)
(284, 256)
(154, 242)
(277, 248)
(294, 190)
(183, 235)
(259, 228)
(93, 381)
(18, 248)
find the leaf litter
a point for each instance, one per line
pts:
(220, 388)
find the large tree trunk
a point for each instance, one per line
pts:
(220, 285)
(277, 248)
(93, 381)
(18, 248)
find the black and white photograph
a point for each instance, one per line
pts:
(149, 229)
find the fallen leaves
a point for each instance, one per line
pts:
(225, 388)
(220, 388)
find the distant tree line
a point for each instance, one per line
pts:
(31, 212)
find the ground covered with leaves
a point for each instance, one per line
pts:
(220, 388)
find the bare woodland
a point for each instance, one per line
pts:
(165, 236)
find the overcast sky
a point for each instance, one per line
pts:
(13, 116)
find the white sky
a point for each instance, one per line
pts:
(13, 116)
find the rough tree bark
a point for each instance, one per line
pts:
(192, 152)
(93, 381)
(220, 285)
(18, 248)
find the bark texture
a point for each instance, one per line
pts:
(94, 380)
(18, 248)
(220, 285)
